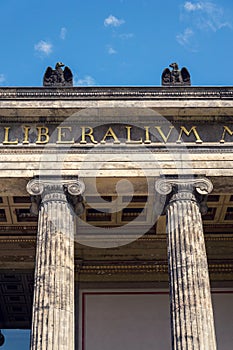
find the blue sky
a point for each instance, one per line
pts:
(16, 339)
(116, 42)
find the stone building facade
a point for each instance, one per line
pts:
(113, 201)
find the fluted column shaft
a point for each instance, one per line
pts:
(53, 303)
(192, 321)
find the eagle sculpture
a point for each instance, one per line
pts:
(58, 76)
(176, 77)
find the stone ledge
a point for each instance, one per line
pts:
(203, 92)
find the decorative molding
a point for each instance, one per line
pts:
(133, 93)
(17, 240)
(145, 267)
(17, 228)
(209, 237)
(84, 149)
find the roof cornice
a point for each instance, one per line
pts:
(115, 93)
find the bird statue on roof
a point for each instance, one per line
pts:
(58, 76)
(176, 77)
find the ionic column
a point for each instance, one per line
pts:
(53, 302)
(192, 321)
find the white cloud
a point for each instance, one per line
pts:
(189, 6)
(63, 33)
(43, 47)
(206, 15)
(86, 81)
(111, 50)
(200, 16)
(184, 38)
(188, 39)
(2, 78)
(113, 21)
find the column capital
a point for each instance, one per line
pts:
(37, 186)
(185, 188)
(165, 186)
(67, 189)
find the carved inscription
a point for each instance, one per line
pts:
(114, 134)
